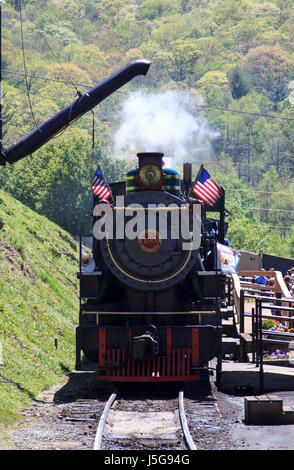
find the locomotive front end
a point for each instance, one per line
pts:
(148, 317)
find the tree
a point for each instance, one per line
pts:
(57, 180)
(228, 12)
(215, 87)
(15, 3)
(184, 55)
(239, 82)
(176, 27)
(269, 68)
(131, 33)
(151, 9)
(88, 58)
(108, 11)
(8, 112)
(277, 200)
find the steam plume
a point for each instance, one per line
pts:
(165, 122)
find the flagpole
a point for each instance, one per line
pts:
(106, 184)
(196, 179)
(93, 147)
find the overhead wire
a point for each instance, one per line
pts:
(70, 82)
(257, 191)
(246, 112)
(75, 85)
(255, 165)
(24, 64)
(267, 209)
(127, 93)
(48, 79)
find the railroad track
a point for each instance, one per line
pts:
(156, 424)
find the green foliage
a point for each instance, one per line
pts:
(236, 55)
(215, 87)
(269, 68)
(184, 54)
(248, 229)
(268, 324)
(239, 82)
(57, 183)
(153, 9)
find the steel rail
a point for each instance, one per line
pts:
(100, 428)
(188, 438)
(183, 420)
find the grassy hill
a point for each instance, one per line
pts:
(38, 305)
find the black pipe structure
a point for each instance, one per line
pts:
(66, 116)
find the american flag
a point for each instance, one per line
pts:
(100, 189)
(206, 189)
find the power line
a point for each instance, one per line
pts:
(268, 210)
(126, 93)
(246, 112)
(260, 167)
(280, 226)
(56, 58)
(47, 79)
(255, 191)
(79, 94)
(56, 80)
(24, 64)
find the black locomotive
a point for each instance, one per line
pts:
(150, 309)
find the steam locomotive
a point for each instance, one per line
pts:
(150, 311)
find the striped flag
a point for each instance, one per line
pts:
(206, 189)
(100, 188)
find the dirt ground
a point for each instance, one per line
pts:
(66, 416)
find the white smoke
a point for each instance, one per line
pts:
(167, 122)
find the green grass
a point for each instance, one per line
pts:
(38, 304)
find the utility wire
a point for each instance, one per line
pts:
(256, 191)
(126, 93)
(246, 112)
(24, 63)
(64, 71)
(280, 226)
(268, 210)
(260, 167)
(48, 79)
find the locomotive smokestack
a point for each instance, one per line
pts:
(148, 157)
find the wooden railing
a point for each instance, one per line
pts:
(279, 284)
(243, 280)
(236, 289)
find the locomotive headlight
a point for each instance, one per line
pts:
(150, 176)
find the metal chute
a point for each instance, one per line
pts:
(67, 115)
